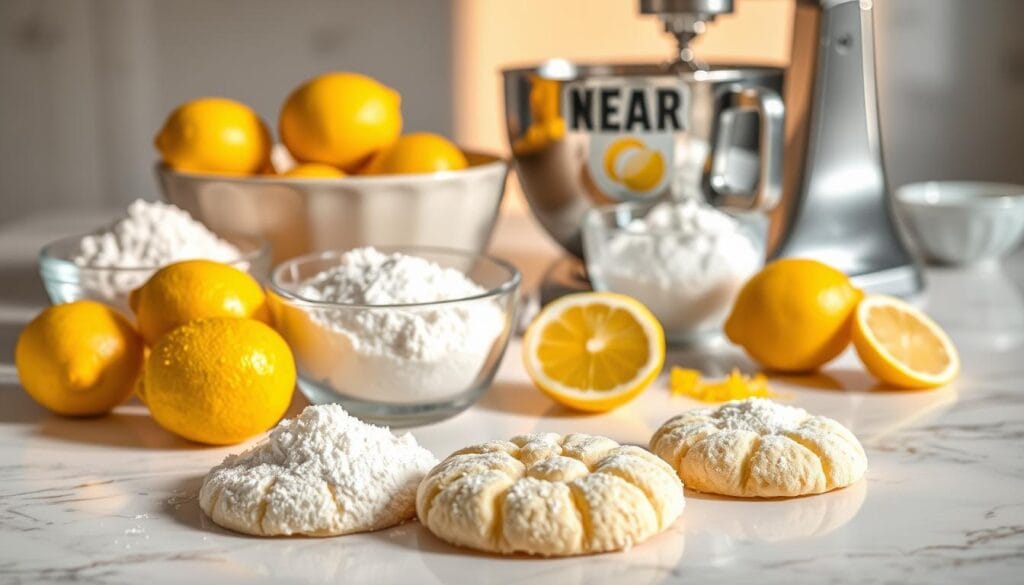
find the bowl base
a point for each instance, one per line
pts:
(387, 413)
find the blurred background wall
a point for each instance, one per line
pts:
(84, 84)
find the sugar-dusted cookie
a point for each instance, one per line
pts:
(759, 448)
(323, 473)
(549, 495)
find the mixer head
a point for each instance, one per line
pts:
(686, 19)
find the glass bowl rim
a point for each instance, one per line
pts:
(48, 257)
(595, 218)
(510, 283)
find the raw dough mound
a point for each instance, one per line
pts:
(322, 473)
(549, 495)
(759, 448)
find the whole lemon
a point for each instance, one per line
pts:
(79, 359)
(794, 315)
(219, 381)
(420, 152)
(314, 171)
(340, 119)
(214, 135)
(195, 289)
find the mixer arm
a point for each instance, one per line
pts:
(771, 113)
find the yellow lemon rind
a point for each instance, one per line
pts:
(585, 399)
(886, 367)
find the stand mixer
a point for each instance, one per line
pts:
(799, 145)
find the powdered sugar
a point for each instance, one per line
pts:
(151, 235)
(761, 416)
(685, 261)
(401, 354)
(322, 473)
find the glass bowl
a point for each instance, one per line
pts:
(65, 281)
(687, 276)
(400, 364)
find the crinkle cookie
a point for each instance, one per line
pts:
(544, 494)
(759, 448)
(323, 473)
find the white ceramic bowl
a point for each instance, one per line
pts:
(963, 222)
(452, 209)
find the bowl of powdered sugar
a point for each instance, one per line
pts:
(400, 335)
(686, 261)
(107, 264)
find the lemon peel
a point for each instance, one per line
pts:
(735, 386)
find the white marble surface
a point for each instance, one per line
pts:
(113, 500)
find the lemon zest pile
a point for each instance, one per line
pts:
(735, 386)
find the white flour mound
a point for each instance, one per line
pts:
(151, 235)
(685, 261)
(403, 354)
(322, 473)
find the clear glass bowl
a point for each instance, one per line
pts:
(66, 281)
(687, 277)
(402, 364)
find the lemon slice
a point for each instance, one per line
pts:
(594, 351)
(901, 346)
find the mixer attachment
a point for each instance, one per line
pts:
(686, 19)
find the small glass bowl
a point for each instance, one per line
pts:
(65, 281)
(401, 364)
(689, 289)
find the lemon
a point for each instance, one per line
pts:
(901, 346)
(594, 351)
(219, 381)
(214, 135)
(794, 315)
(340, 119)
(195, 289)
(314, 171)
(642, 169)
(420, 152)
(79, 359)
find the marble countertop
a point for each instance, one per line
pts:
(113, 500)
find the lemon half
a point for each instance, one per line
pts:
(901, 346)
(594, 351)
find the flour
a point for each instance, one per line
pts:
(404, 354)
(321, 473)
(685, 261)
(151, 235)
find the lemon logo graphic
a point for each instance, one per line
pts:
(616, 150)
(630, 162)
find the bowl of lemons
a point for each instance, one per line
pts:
(342, 175)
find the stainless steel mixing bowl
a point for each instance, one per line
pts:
(297, 216)
(714, 134)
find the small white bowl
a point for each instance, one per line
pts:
(963, 222)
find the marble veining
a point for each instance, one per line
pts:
(113, 500)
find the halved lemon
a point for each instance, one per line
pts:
(902, 346)
(594, 351)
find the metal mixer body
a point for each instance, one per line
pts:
(826, 198)
(565, 165)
